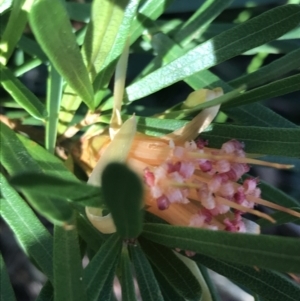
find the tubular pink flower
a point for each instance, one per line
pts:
(186, 182)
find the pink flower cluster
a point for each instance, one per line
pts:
(194, 172)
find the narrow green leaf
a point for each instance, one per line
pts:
(6, 290)
(89, 234)
(158, 127)
(31, 234)
(13, 30)
(57, 187)
(269, 285)
(27, 66)
(49, 164)
(106, 18)
(97, 50)
(126, 279)
(277, 196)
(32, 48)
(16, 159)
(105, 71)
(261, 140)
(208, 11)
(67, 266)
(21, 94)
(46, 293)
(173, 269)
(259, 115)
(100, 267)
(264, 251)
(108, 287)
(62, 48)
(149, 288)
(271, 71)
(257, 31)
(253, 114)
(54, 90)
(168, 292)
(80, 12)
(219, 100)
(210, 284)
(274, 89)
(149, 10)
(124, 200)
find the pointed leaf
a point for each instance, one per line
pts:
(149, 10)
(261, 140)
(89, 234)
(6, 290)
(259, 115)
(260, 250)
(62, 48)
(57, 187)
(211, 287)
(271, 71)
(105, 71)
(32, 48)
(125, 200)
(253, 114)
(100, 267)
(126, 279)
(13, 30)
(16, 159)
(257, 31)
(24, 97)
(208, 11)
(79, 11)
(274, 89)
(269, 285)
(46, 293)
(30, 232)
(173, 269)
(168, 292)
(54, 90)
(148, 285)
(277, 196)
(68, 270)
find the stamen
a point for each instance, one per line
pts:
(244, 209)
(272, 205)
(239, 160)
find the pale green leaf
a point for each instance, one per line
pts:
(261, 140)
(257, 31)
(100, 267)
(24, 97)
(59, 43)
(13, 30)
(54, 90)
(271, 71)
(271, 90)
(67, 266)
(277, 253)
(269, 285)
(145, 277)
(173, 269)
(29, 231)
(126, 279)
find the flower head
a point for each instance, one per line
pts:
(186, 182)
